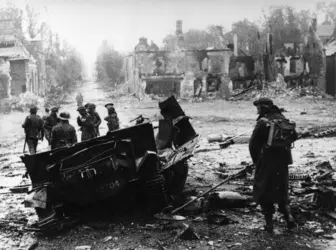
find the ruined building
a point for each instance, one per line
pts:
(19, 70)
(179, 71)
(314, 55)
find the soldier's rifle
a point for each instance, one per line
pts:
(24, 145)
(26, 132)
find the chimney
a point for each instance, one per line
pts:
(314, 24)
(179, 35)
(235, 44)
(179, 31)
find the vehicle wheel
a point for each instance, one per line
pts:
(176, 177)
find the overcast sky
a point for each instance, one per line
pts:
(85, 23)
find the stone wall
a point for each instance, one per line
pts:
(190, 65)
(5, 83)
(18, 75)
(314, 55)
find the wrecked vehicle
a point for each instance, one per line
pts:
(114, 169)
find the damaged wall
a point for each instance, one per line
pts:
(180, 71)
(5, 83)
(314, 55)
(18, 74)
(190, 65)
(25, 72)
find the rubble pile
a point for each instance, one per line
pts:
(119, 91)
(25, 101)
(55, 97)
(312, 198)
(272, 91)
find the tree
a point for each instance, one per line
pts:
(247, 34)
(16, 15)
(32, 19)
(329, 9)
(109, 63)
(193, 39)
(287, 25)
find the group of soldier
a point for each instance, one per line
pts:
(59, 132)
(271, 174)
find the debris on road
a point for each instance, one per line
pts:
(83, 248)
(187, 233)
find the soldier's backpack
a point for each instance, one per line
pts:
(282, 133)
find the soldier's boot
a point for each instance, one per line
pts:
(285, 210)
(268, 211)
(269, 222)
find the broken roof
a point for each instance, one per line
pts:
(15, 53)
(7, 40)
(325, 30)
(330, 48)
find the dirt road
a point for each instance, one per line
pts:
(142, 232)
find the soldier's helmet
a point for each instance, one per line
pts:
(64, 116)
(54, 109)
(89, 105)
(109, 106)
(81, 108)
(263, 101)
(33, 109)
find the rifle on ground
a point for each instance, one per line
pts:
(229, 141)
(240, 173)
(226, 143)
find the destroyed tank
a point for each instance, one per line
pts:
(113, 169)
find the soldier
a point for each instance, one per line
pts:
(44, 118)
(79, 99)
(63, 134)
(85, 122)
(271, 160)
(112, 118)
(33, 126)
(51, 121)
(47, 112)
(96, 118)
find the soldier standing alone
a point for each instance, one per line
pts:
(112, 118)
(271, 155)
(85, 122)
(79, 99)
(33, 126)
(51, 121)
(63, 134)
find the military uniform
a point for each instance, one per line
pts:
(97, 122)
(51, 121)
(33, 126)
(79, 99)
(85, 122)
(44, 119)
(271, 173)
(112, 118)
(96, 118)
(63, 134)
(112, 122)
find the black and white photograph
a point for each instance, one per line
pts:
(167, 125)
